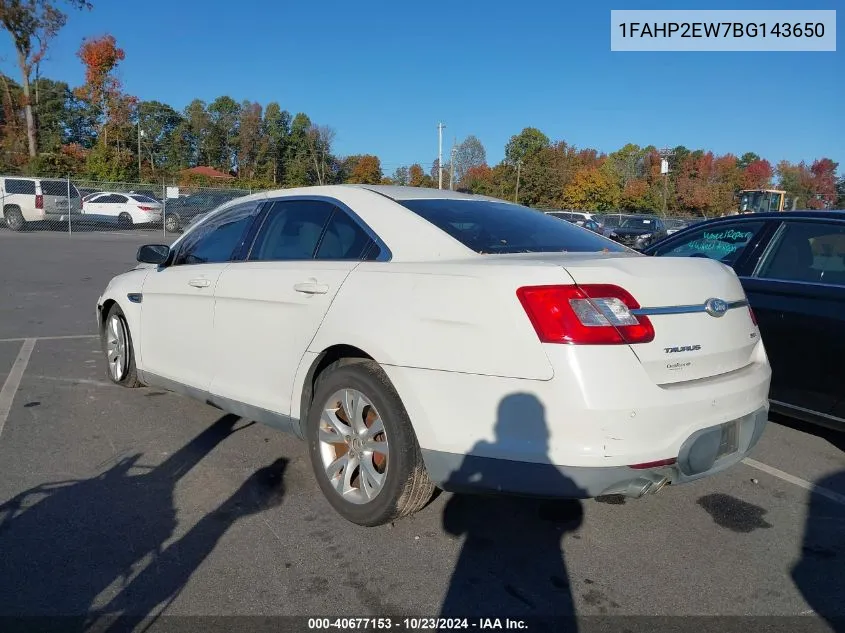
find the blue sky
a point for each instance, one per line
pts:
(383, 73)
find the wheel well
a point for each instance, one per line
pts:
(10, 207)
(326, 358)
(105, 312)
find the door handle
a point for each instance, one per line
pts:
(199, 283)
(311, 288)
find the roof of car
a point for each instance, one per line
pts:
(783, 215)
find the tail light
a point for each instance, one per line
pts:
(146, 208)
(657, 464)
(753, 316)
(585, 315)
(39, 201)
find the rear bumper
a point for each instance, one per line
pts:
(587, 425)
(696, 459)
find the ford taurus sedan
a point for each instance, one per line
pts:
(420, 338)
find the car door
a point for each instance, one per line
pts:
(269, 307)
(797, 292)
(733, 243)
(177, 304)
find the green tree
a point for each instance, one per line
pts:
(277, 130)
(522, 145)
(224, 116)
(298, 169)
(159, 124)
(746, 159)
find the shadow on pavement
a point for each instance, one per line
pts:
(68, 546)
(511, 563)
(820, 573)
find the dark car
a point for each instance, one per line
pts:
(792, 266)
(180, 212)
(632, 230)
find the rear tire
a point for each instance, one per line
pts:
(171, 223)
(376, 443)
(124, 221)
(14, 218)
(117, 348)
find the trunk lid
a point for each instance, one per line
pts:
(689, 343)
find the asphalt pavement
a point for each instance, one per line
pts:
(142, 502)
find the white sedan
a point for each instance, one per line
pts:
(420, 338)
(126, 209)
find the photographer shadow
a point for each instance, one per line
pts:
(511, 563)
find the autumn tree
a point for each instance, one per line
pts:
(824, 181)
(418, 178)
(366, 170)
(111, 108)
(756, 174)
(32, 24)
(592, 189)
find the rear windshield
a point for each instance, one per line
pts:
(58, 188)
(496, 227)
(143, 198)
(637, 223)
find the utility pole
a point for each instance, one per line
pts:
(518, 170)
(440, 127)
(665, 153)
(140, 134)
(452, 166)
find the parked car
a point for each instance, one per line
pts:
(635, 230)
(37, 200)
(126, 209)
(179, 212)
(419, 338)
(576, 217)
(792, 266)
(86, 191)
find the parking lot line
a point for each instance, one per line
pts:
(48, 338)
(13, 380)
(796, 481)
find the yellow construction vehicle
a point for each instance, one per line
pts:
(763, 201)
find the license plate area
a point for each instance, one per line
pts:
(729, 441)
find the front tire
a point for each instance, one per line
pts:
(367, 462)
(117, 347)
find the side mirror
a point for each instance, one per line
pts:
(153, 254)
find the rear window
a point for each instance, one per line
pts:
(58, 188)
(496, 227)
(637, 223)
(143, 198)
(14, 186)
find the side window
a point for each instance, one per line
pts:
(725, 242)
(217, 240)
(26, 187)
(109, 199)
(291, 230)
(807, 251)
(343, 239)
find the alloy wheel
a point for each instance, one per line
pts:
(353, 446)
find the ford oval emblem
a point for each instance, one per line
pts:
(716, 307)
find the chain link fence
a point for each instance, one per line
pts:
(72, 205)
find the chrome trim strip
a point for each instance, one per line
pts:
(796, 408)
(687, 309)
